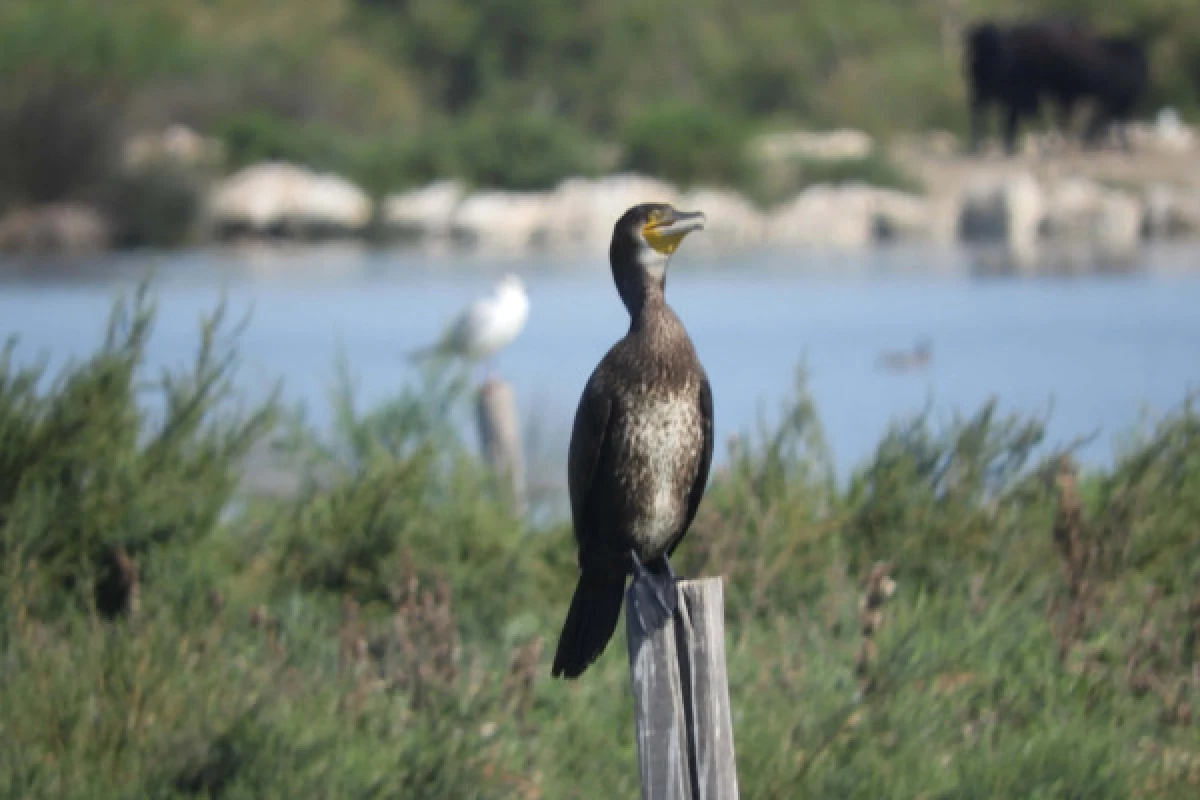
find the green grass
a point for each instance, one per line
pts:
(387, 632)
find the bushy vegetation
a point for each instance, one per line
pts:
(386, 630)
(514, 93)
(688, 145)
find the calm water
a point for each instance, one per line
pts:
(1098, 352)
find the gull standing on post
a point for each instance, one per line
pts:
(486, 327)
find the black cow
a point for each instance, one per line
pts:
(1126, 80)
(1016, 66)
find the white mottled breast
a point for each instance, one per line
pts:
(660, 444)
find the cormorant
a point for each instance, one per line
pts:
(641, 446)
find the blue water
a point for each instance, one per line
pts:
(1097, 352)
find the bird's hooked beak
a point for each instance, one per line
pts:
(664, 233)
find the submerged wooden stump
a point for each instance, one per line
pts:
(681, 700)
(500, 437)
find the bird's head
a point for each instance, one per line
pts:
(644, 239)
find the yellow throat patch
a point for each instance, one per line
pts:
(665, 243)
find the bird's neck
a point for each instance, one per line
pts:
(644, 301)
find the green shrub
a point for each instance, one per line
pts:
(687, 145)
(255, 136)
(390, 163)
(58, 135)
(89, 480)
(124, 42)
(520, 151)
(394, 491)
(155, 205)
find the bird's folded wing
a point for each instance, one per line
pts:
(589, 437)
(701, 480)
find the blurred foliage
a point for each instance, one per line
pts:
(521, 93)
(688, 145)
(385, 630)
(155, 205)
(520, 151)
(59, 135)
(88, 482)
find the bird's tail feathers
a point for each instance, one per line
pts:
(590, 623)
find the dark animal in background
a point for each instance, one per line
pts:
(1128, 78)
(1062, 60)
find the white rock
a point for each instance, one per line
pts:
(502, 222)
(900, 215)
(54, 229)
(1171, 212)
(1002, 209)
(819, 216)
(277, 195)
(849, 216)
(733, 222)
(176, 143)
(1070, 223)
(839, 145)
(1167, 134)
(577, 216)
(1082, 210)
(585, 209)
(425, 212)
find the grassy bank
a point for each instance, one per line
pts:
(388, 633)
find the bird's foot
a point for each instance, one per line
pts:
(652, 597)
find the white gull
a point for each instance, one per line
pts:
(487, 326)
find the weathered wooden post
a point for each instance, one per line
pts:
(681, 699)
(500, 436)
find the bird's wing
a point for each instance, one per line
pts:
(447, 344)
(701, 479)
(474, 324)
(456, 338)
(589, 438)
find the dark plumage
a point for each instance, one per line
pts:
(641, 446)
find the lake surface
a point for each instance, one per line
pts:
(1096, 352)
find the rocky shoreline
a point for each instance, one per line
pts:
(1090, 208)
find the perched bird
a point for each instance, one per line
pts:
(487, 326)
(641, 447)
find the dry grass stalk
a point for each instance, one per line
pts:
(130, 577)
(1163, 663)
(352, 639)
(261, 618)
(424, 650)
(522, 672)
(878, 587)
(1075, 552)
